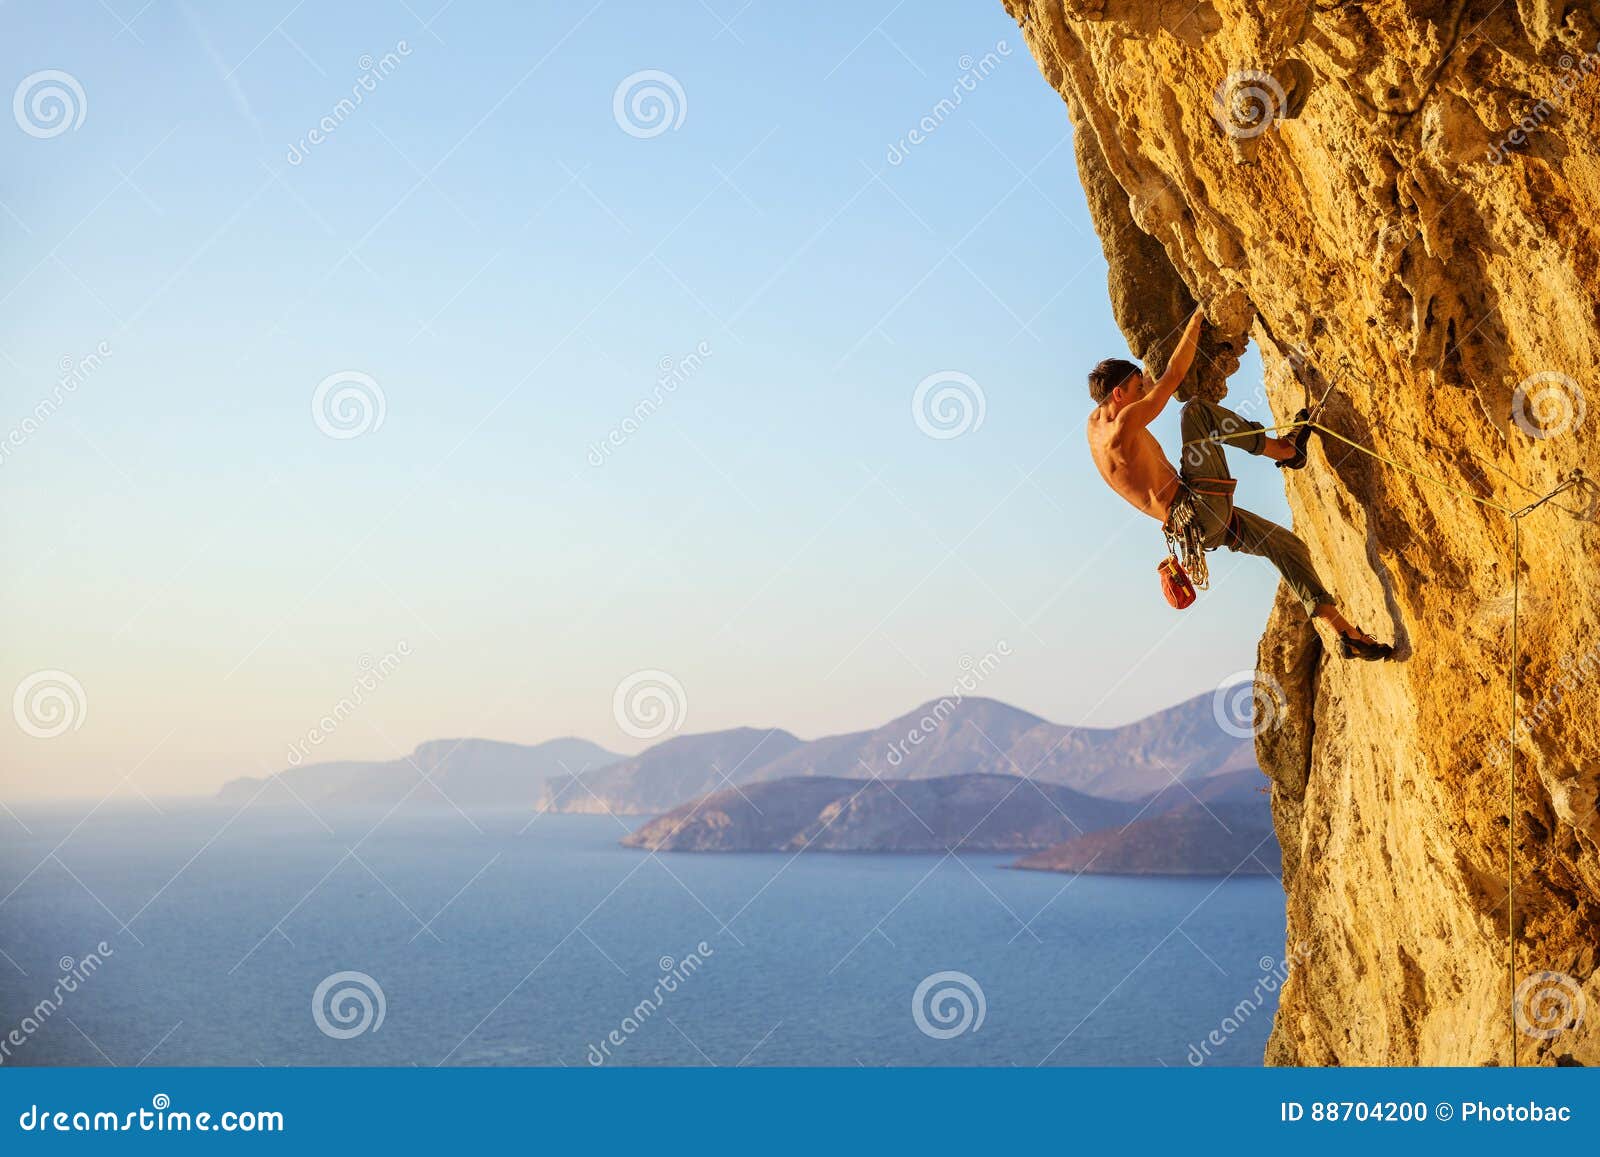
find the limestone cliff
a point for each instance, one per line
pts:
(1402, 196)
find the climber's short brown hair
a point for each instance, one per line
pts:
(1107, 376)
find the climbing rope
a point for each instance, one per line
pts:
(1576, 479)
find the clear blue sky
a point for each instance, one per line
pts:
(485, 241)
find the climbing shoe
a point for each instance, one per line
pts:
(1298, 439)
(1351, 647)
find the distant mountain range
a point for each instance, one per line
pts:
(678, 769)
(1181, 744)
(477, 773)
(944, 776)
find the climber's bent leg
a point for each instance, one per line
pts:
(1212, 429)
(1256, 535)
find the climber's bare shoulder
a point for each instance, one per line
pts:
(1132, 463)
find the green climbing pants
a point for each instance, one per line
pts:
(1212, 428)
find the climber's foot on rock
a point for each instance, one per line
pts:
(1356, 644)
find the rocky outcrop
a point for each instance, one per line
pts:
(1194, 839)
(1402, 195)
(964, 813)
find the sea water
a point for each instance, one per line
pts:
(207, 935)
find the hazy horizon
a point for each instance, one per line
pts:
(632, 748)
(501, 372)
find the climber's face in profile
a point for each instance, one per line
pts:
(1135, 386)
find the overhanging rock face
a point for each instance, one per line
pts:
(1402, 196)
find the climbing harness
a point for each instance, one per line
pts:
(1577, 480)
(1185, 529)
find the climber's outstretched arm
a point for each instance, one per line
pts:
(1145, 410)
(1182, 357)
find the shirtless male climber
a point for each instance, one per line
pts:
(1195, 505)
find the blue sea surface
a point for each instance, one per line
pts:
(500, 939)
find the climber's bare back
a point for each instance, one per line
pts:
(1131, 461)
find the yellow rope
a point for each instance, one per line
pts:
(1456, 490)
(1511, 790)
(1516, 601)
(1468, 495)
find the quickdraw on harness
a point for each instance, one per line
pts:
(1184, 570)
